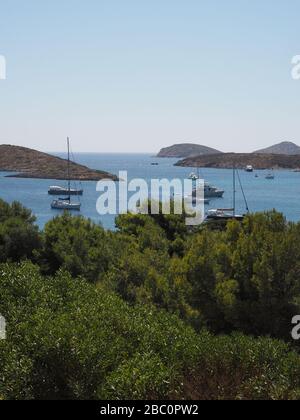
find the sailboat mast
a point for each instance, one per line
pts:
(69, 176)
(234, 191)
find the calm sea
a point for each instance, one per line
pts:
(283, 193)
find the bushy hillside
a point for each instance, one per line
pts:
(153, 310)
(68, 340)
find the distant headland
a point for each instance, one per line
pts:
(285, 155)
(241, 160)
(29, 163)
(187, 150)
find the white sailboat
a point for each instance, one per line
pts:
(61, 191)
(65, 203)
(224, 215)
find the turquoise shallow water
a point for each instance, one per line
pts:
(283, 193)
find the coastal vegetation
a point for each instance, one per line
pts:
(152, 310)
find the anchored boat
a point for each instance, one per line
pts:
(224, 215)
(211, 192)
(65, 203)
(64, 191)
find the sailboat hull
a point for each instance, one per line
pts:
(65, 205)
(224, 218)
(64, 191)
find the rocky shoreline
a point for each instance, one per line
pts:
(21, 162)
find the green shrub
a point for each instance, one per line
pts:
(240, 367)
(68, 339)
(78, 246)
(19, 237)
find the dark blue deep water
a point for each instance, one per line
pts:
(283, 193)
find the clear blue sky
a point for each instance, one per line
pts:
(128, 75)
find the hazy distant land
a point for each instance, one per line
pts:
(284, 148)
(285, 155)
(28, 163)
(241, 160)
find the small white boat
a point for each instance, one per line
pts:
(249, 168)
(193, 176)
(65, 204)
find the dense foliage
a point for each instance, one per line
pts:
(245, 277)
(153, 310)
(67, 339)
(19, 236)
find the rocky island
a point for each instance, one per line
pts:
(186, 150)
(241, 160)
(27, 163)
(283, 148)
